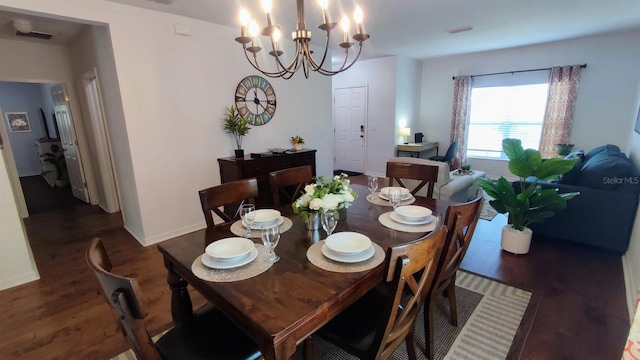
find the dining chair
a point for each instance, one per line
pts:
(231, 193)
(461, 220)
(427, 174)
(448, 156)
(287, 184)
(376, 324)
(208, 335)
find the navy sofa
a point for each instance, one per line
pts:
(604, 212)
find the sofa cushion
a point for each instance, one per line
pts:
(572, 176)
(606, 170)
(601, 149)
(579, 154)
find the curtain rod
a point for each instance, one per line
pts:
(517, 71)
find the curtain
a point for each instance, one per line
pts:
(460, 118)
(558, 118)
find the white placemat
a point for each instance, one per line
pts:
(380, 201)
(386, 220)
(238, 229)
(315, 256)
(254, 268)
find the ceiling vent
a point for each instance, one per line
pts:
(35, 35)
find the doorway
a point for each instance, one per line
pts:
(350, 128)
(43, 155)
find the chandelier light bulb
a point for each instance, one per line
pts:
(345, 24)
(276, 35)
(244, 17)
(323, 4)
(357, 15)
(266, 5)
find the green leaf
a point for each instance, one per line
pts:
(552, 168)
(513, 149)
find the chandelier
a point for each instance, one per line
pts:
(301, 37)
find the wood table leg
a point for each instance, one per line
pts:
(307, 351)
(181, 308)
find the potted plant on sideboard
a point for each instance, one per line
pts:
(237, 126)
(532, 203)
(297, 142)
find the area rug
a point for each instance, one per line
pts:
(487, 212)
(493, 322)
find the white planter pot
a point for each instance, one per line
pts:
(516, 241)
(297, 147)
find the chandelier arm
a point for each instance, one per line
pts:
(343, 68)
(256, 66)
(315, 65)
(293, 65)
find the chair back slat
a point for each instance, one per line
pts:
(287, 184)
(410, 272)
(427, 174)
(211, 199)
(124, 297)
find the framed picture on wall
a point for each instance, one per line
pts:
(18, 121)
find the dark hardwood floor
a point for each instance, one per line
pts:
(582, 314)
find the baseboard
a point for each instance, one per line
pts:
(19, 280)
(151, 240)
(631, 290)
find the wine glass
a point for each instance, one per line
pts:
(248, 216)
(270, 239)
(329, 221)
(394, 197)
(373, 186)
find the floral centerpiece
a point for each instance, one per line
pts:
(325, 195)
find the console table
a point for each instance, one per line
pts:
(417, 148)
(259, 166)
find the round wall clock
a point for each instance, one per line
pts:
(256, 100)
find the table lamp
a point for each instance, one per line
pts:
(405, 132)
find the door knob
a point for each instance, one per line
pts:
(362, 136)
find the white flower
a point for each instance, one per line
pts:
(303, 200)
(309, 189)
(348, 197)
(331, 201)
(315, 204)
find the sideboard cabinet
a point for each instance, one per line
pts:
(259, 166)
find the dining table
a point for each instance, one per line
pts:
(284, 305)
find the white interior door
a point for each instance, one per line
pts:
(350, 112)
(69, 142)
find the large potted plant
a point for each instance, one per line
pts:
(237, 126)
(532, 204)
(55, 157)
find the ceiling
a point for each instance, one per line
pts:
(408, 28)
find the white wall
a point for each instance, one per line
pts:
(24, 97)
(380, 75)
(174, 90)
(631, 259)
(16, 261)
(603, 104)
(409, 84)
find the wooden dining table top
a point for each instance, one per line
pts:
(291, 300)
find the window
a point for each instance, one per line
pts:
(506, 106)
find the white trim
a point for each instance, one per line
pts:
(19, 280)
(172, 234)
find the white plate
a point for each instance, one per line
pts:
(255, 226)
(405, 194)
(265, 215)
(229, 249)
(214, 263)
(403, 191)
(399, 219)
(413, 212)
(361, 256)
(347, 243)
